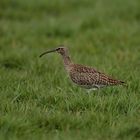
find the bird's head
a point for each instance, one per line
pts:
(61, 50)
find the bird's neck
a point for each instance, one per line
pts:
(67, 60)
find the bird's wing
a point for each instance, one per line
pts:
(83, 75)
(81, 78)
(107, 80)
(83, 69)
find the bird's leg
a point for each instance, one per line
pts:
(89, 90)
(92, 89)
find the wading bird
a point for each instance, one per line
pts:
(84, 76)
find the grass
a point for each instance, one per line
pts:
(37, 100)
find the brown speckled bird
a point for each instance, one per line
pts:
(84, 76)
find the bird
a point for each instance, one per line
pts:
(84, 76)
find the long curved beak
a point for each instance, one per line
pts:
(48, 52)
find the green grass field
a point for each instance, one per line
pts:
(37, 99)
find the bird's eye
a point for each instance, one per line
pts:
(58, 49)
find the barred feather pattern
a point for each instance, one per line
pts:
(90, 78)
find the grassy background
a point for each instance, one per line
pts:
(37, 100)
